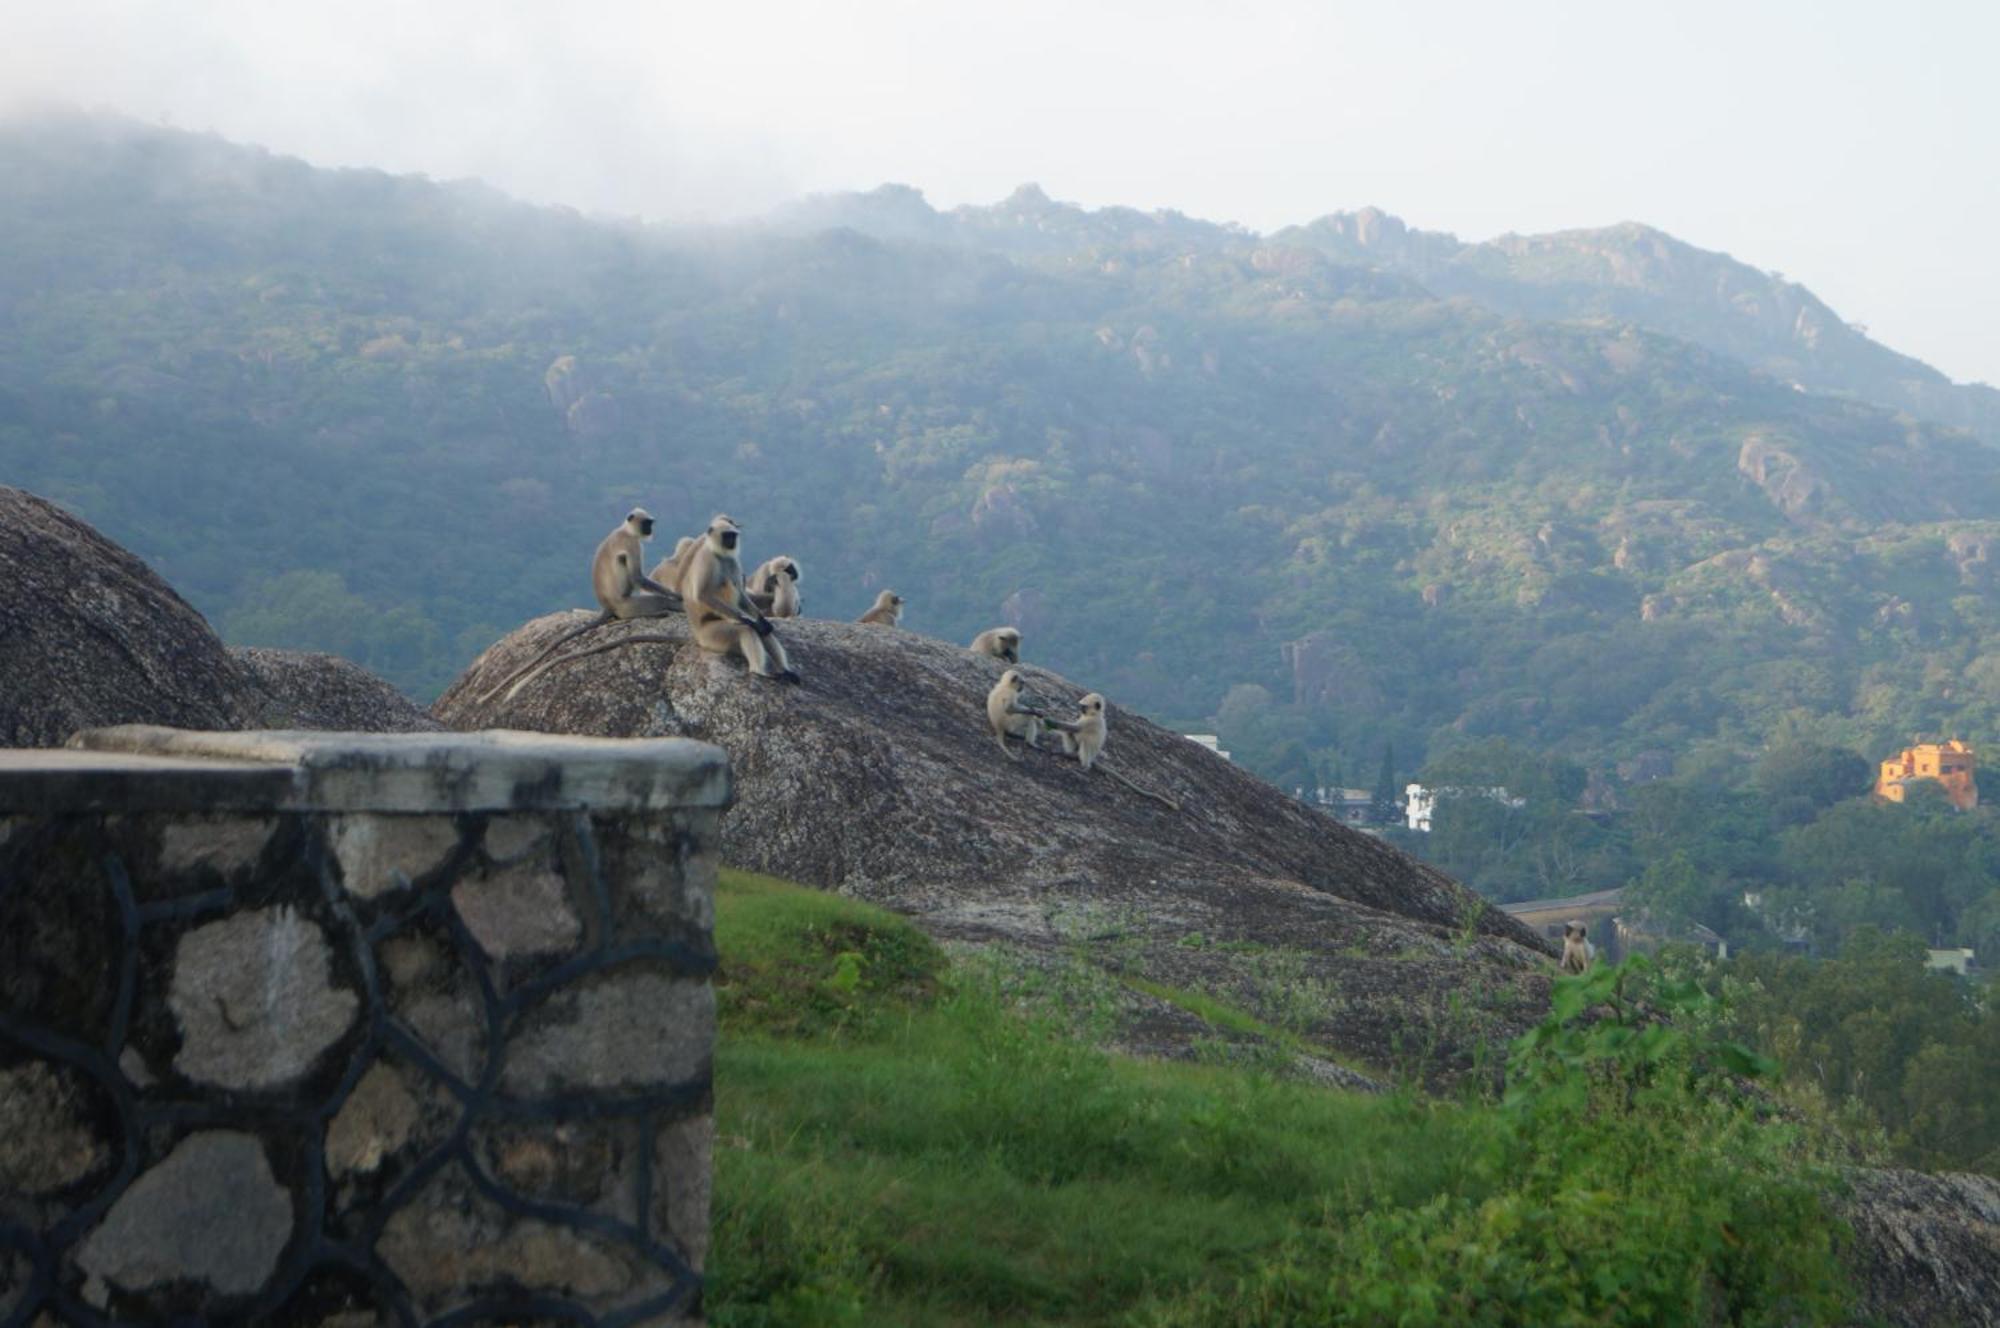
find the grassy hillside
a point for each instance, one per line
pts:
(391, 418)
(906, 1138)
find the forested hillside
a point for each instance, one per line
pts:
(1212, 474)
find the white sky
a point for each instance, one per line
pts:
(1855, 147)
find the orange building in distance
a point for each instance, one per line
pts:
(1949, 763)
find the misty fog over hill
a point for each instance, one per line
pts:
(1340, 486)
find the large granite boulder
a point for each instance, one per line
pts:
(90, 636)
(878, 778)
(321, 691)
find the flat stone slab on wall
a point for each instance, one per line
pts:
(349, 1029)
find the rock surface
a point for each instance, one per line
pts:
(1927, 1247)
(118, 646)
(211, 1212)
(328, 692)
(89, 635)
(878, 778)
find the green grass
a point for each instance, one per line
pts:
(902, 1141)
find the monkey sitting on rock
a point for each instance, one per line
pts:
(720, 610)
(1009, 716)
(1083, 737)
(887, 612)
(623, 591)
(999, 643)
(774, 588)
(1578, 953)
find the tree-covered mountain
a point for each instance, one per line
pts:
(1222, 477)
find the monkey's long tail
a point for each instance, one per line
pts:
(555, 645)
(1160, 798)
(636, 639)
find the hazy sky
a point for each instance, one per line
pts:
(1852, 146)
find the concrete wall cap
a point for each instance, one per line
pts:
(140, 767)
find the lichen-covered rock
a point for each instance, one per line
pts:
(515, 911)
(211, 1212)
(878, 778)
(1927, 1248)
(255, 998)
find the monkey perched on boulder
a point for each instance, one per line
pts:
(888, 610)
(1578, 953)
(998, 642)
(719, 609)
(623, 592)
(774, 588)
(1009, 717)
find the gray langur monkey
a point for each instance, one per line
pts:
(668, 573)
(1009, 716)
(1578, 953)
(999, 642)
(774, 588)
(1084, 736)
(719, 610)
(888, 610)
(623, 592)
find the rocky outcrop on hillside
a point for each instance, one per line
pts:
(321, 691)
(877, 778)
(90, 636)
(1927, 1247)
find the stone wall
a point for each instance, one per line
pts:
(342, 1029)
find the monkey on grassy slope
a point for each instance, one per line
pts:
(623, 591)
(723, 618)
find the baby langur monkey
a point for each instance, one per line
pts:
(1009, 717)
(1084, 736)
(999, 642)
(622, 590)
(774, 588)
(1578, 953)
(888, 609)
(721, 613)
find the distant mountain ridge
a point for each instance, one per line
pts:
(1627, 273)
(1233, 482)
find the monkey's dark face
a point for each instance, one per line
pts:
(646, 527)
(729, 538)
(1008, 653)
(1573, 931)
(896, 600)
(792, 571)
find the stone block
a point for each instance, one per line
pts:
(450, 1244)
(512, 839)
(378, 1118)
(518, 911)
(47, 1140)
(683, 1171)
(255, 999)
(632, 1029)
(379, 853)
(211, 1213)
(226, 844)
